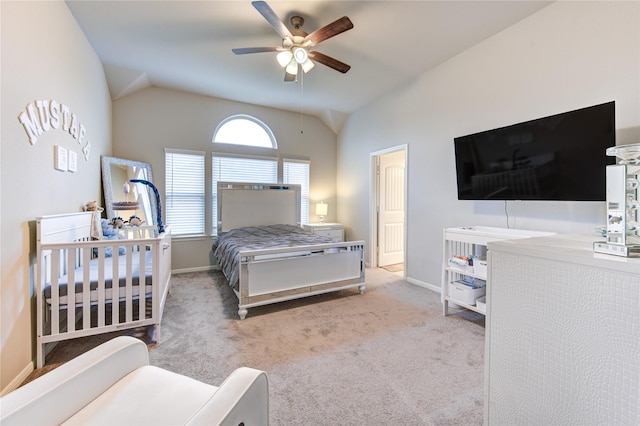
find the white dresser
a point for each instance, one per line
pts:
(563, 334)
(335, 231)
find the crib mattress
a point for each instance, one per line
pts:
(108, 279)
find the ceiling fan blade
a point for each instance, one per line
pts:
(263, 8)
(329, 61)
(245, 50)
(336, 27)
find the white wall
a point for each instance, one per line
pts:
(567, 56)
(46, 56)
(152, 119)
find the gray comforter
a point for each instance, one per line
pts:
(227, 247)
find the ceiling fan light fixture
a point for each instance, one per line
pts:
(284, 58)
(295, 52)
(292, 68)
(306, 66)
(300, 55)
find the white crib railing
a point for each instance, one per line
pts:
(101, 294)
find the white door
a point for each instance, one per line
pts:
(391, 209)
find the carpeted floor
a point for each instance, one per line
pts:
(387, 356)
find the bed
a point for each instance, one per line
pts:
(85, 286)
(268, 258)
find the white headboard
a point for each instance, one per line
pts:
(257, 204)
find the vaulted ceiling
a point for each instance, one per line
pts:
(186, 45)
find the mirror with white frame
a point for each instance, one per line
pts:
(116, 174)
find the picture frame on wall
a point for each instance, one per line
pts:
(60, 158)
(72, 161)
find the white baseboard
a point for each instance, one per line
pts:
(431, 287)
(197, 269)
(17, 381)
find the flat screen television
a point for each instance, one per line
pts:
(560, 157)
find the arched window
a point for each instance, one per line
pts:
(245, 130)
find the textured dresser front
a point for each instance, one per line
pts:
(563, 334)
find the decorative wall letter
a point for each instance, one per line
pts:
(31, 124)
(43, 115)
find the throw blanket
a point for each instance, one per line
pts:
(228, 246)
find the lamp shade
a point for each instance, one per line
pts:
(307, 65)
(292, 68)
(284, 58)
(321, 209)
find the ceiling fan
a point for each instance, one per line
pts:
(296, 53)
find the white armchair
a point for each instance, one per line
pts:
(113, 384)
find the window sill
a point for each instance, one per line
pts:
(198, 237)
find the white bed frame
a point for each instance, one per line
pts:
(64, 243)
(275, 275)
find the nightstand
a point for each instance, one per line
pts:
(335, 231)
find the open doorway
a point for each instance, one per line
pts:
(388, 209)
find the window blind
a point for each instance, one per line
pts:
(297, 172)
(239, 169)
(184, 205)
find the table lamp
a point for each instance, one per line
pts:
(321, 210)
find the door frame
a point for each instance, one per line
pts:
(373, 202)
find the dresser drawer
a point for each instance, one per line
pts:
(334, 234)
(335, 231)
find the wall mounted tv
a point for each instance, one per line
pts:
(560, 157)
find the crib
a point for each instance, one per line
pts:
(116, 284)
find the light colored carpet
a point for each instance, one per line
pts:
(387, 356)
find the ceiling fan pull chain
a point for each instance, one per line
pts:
(301, 99)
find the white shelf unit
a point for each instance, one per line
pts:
(472, 241)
